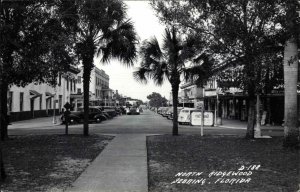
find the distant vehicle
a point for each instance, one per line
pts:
(184, 116)
(160, 110)
(95, 115)
(133, 111)
(164, 111)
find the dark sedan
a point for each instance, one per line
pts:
(95, 115)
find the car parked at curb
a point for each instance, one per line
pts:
(170, 113)
(111, 111)
(184, 116)
(165, 111)
(95, 115)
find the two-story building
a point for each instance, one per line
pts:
(100, 93)
(190, 94)
(40, 100)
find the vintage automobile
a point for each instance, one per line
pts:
(184, 116)
(133, 111)
(170, 112)
(95, 115)
(161, 109)
(165, 111)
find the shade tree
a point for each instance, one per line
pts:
(102, 29)
(34, 47)
(170, 62)
(238, 32)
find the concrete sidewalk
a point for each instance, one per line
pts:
(237, 124)
(35, 123)
(121, 167)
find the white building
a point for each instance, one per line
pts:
(40, 100)
(99, 81)
(100, 93)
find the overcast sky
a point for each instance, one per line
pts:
(147, 25)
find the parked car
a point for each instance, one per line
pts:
(165, 110)
(109, 110)
(106, 115)
(184, 116)
(170, 115)
(95, 115)
(160, 110)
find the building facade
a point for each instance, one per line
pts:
(40, 100)
(233, 103)
(100, 93)
(190, 95)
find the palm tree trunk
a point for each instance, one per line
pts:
(88, 52)
(86, 96)
(290, 65)
(175, 88)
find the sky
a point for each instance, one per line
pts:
(147, 25)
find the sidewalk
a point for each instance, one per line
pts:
(121, 167)
(237, 124)
(35, 123)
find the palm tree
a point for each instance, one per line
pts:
(168, 62)
(290, 65)
(103, 30)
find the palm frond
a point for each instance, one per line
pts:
(151, 52)
(120, 43)
(141, 75)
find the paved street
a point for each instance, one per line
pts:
(145, 123)
(122, 166)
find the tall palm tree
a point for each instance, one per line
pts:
(168, 62)
(103, 30)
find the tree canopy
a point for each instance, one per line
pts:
(178, 56)
(156, 100)
(101, 29)
(241, 34)
(34, 44)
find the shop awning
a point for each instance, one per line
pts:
(48, 94)
(34, 94)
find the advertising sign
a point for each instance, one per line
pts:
(196, 118)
